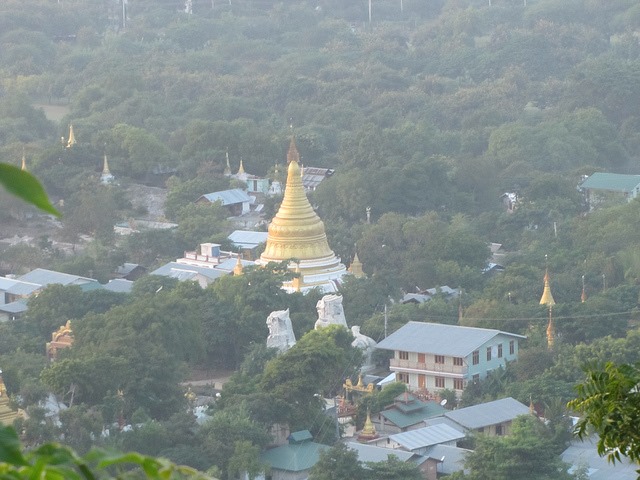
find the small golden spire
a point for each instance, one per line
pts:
(241, 169)
(296, 283)
(292, 154)
(551, 331)
(532, 409)
(547, 297)
(24, 161)
(237, 270)
(72, 138)
(369, 430)
(583, 296)
(356, 267)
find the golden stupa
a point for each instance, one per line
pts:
(296, 234)
(547, 299)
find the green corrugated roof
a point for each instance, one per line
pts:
(300, 436)
(294, 457)
(404, 420)
(614, 182)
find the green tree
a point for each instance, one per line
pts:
(393, 469)
(608, 401)
(337, 463)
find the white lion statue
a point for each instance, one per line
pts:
(364, 343)
(330, 312)
(281, 334)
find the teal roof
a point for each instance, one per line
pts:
(300, 436)
(406, 419)
(614, 182)
(295, 457)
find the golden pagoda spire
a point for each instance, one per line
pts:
(532, 408)
(24, 161)
(72, 138)
(241, 169)
(237, 270)
(356, 267)
(547, 299)
(296, 231)
(296, 283)
(369, 428)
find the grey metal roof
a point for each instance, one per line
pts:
(439, 339)
(427, 436)
(228, 197)
(119, 285)
(230, 263)
(490, 413)
(451, 459)
(14, 307)
(16, 287)
(586, 453)
(247, 238)
(184, 272)
(126, 268)
(371, 453)
(44, 277)
(614, 182)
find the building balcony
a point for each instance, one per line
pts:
(417, 367)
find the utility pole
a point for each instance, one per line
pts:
(385, 319)
(369, 12)
(124, 14)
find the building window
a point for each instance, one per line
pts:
(488, 354)
(499, 350)
(439, 358)
(476, 378)
(402, 377)
(458, 384)
(457, 361)
(403, 355)
(439, 382)
(476, 357)
(499, 430)
(512, 347)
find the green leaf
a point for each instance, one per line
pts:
(10, 447)
(25, 186)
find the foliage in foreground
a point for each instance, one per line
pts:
(53, 461)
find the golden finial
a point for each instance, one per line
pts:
(369, 430)
(241, 169)
(296, 283)
(532, 409)
(72, 138)
(237, 270)
(547, 297)
(24, 161)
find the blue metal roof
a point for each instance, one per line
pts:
(427, 436)
(185, 272)
(486, 414)
(44, 277)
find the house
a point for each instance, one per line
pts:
(294, 460)
(491, 418)
(45, 277)
(407, 413)
(600, 185)
(420, 440)
(433, 356)
(236, 201)
(130, 271)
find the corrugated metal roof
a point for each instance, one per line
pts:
(247, 238)
(439, 339)
(187, 272)
(427, 436)
(229, 264)
(14, 307)
(371, 453)
(614, 182)
(20, 288)
(119, 285)
(585, 453)
(228, 197)
(490, 413)
(44, 277)
(451, 459)
(294, 458)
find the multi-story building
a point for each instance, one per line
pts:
(433, 357)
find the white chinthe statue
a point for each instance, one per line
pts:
(330, 312)
(281, 334)
(364, 343)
